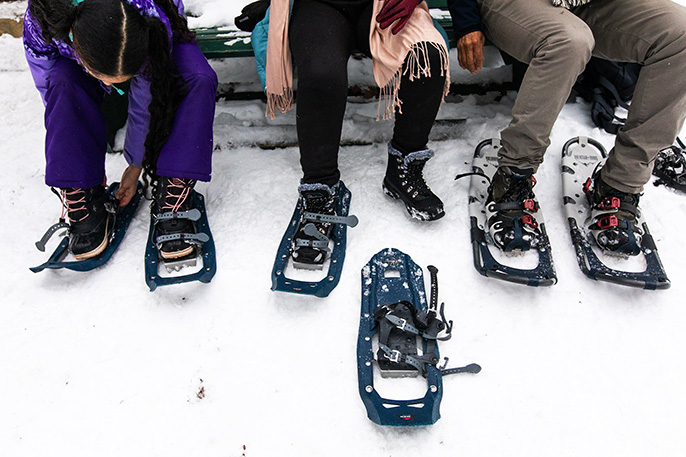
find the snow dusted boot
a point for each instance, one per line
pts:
(511, 208)
(404, 180)
(311, 241)
(170, 208)
(614, 217)
(91, 218)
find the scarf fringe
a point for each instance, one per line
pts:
(282, 102)
(417, 66)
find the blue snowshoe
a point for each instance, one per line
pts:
(179, 236)
(96, 229)
(316, 234)
(396, 319)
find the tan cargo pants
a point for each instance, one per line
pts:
(557, 44)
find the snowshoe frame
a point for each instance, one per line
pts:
(576, 167)
(484, 166)
(323, 287)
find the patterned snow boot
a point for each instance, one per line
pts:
(404, 180)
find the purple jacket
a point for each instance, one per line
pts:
(41, 57)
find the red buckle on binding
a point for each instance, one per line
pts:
(530, 204)
(587, 186)
(530, 221)
(610, 203)
(607, 222)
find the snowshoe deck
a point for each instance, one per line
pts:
(123, 217)
(580, 156)
(323, 287)
(205, 250)
(484, 166)
(393, 287)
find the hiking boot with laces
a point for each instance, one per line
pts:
(90, 220)
(173, 195)
(311, 248)
(614, 217)
(404, 180)
(511, 208)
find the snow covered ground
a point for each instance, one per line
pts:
(95, 365)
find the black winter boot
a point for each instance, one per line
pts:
(404, 180)
(172, 196)
(510, 210)
(91, 218)
(311, 251)
(614, 217)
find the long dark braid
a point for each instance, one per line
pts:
(122, 51)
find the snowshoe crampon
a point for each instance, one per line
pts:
(202, 263)
(122, 217)
(321, 288)
(399, 332)
(484, 166)
(580, 157)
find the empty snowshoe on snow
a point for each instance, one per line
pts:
(179, 235)
(97, 226)
(509, 219)
(396, 318)
(316, 234)
(616, 222)
(670, 167)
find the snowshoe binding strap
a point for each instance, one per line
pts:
(191, 215)
(350, 221)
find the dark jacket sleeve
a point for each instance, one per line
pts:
(465, 15)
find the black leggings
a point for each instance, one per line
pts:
(322, 37)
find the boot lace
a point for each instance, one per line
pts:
(414, 176)
(178, 191)
(73, 201)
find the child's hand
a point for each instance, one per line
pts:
(128, 185)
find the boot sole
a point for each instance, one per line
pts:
(99, 250)
(177, 254)
(410, 210)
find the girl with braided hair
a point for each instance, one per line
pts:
(78, 51)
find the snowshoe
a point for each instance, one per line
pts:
(504, 213)
(404, 180)
(670, 167)
(396, 318)
(605, 219)
(316, 234)
(179, 236)
(96, 228)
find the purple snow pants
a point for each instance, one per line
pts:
(76, 134)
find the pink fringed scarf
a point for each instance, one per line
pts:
(388, 52)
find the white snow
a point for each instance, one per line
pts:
(93, 364)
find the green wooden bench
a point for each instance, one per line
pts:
(224, 42)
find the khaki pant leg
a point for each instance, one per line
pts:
(653, 33)
(557, 45)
